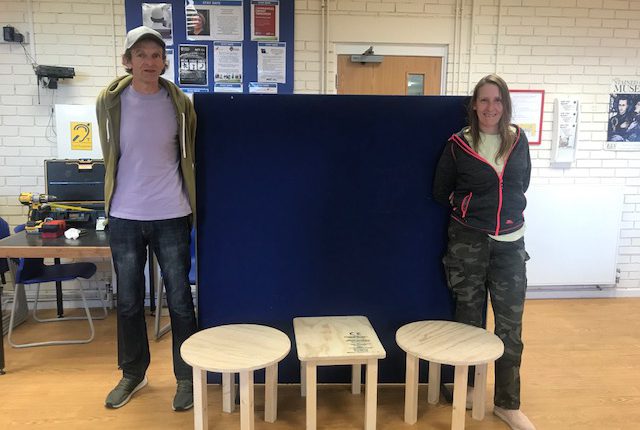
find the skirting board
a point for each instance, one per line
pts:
(581, 292)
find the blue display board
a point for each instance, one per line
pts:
(322, 205)
(173, 20)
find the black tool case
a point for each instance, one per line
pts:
(75, 180)
(77, 183)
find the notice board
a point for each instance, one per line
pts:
(321, 205)
(230, 46)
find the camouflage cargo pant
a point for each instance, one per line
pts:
(475, 263)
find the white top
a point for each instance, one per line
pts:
(335, 338)
(236, 347)
(448, 342)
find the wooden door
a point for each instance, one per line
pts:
(396, 75)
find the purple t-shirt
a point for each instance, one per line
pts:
(148, 179)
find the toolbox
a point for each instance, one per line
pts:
(75, 180)
(76, 184)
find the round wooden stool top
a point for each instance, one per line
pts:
(235, 348)
(448, 342)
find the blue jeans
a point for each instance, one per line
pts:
(169, 240)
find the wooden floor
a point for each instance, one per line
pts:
(581, 370)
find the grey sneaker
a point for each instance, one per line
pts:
(183, 401)
(120, 395)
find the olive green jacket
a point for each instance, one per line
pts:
(108, 113)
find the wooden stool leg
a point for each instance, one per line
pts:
(371, 395)
(356, 378)
(312, 391)
(479, 391)
(228, 392)
(271, 393)
(433, 395)
(410, 390)
(200, 417)
(246, 400)
(459, 397)
(303, 379)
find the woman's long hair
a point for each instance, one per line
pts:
(507, 137)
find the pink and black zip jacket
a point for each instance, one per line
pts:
(479, 197)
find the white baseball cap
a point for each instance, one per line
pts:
(141, 33)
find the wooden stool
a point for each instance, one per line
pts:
(455, 344)
(342, 340)
(236, 348)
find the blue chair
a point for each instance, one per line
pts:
(160, 331)
(4, 268)
(4, 265)
(34, 271)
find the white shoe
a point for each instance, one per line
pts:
(514, 418)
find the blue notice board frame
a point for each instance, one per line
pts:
(133, 11)
(315, 205)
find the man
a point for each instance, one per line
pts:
(147, 129)
(633, 132)
(619, 123)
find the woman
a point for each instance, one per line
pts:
(482, 175)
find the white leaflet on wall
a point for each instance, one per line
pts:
(159, 16)
(227, 62)
(565, 131)
(227, 88)
(567, 122)
(528, 107)
(194, 65)
(170, 73)
(265, 20)
(190, 91)
(77, 132)
(214, 20)
(263, 88)
(272, 61)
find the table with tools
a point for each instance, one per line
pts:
(93, 244)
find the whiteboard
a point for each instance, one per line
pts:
(572, 234)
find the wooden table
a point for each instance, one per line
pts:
(236, 348)
(338, 340)
(20, 245)
(452, 343)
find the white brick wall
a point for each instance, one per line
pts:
(565, 47)
(79, 34)
(568, 48)
(65, 33)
